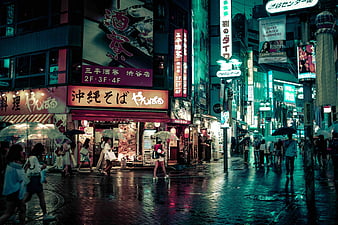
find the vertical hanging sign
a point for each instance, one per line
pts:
(180, 63)
(225, 28)
(185, 64)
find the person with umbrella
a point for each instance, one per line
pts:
(290, 146)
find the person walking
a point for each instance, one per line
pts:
(109, 157)
(262, 152)
(85, 155)
(290, 146)
(15, 182)
(101, 162)
(159, 159)
(256, 145)
(246, 151)
(66, 158)
(34, 167)
(278, 154)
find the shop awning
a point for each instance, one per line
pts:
(41, 118)
(136, 116)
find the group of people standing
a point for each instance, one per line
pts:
(273, 152)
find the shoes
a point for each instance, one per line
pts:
(48, 217)
(166, 176)
(155, 178)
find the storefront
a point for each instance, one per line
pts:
(131, 116)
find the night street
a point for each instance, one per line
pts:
(201, 195)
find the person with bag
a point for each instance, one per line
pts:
(15, 182)
(159, 157)
(109, 157)
(85, 155)
(35, 172)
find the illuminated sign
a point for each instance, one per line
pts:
(225, 28)
(289, 93)
(34, 101)
(228, 73)
(306, 58)
(116, 76)
(180, 63)
(117, 97)
(277, 6)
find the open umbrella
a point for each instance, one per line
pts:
(166, 135)
(112, 133)
(326, 133)
(284, 131)
(26, 129)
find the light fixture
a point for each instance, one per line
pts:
(157, 124)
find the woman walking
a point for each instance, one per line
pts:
(159, 159)
(15, 184)
(85, 155)
(33, 170)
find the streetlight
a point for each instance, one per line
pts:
(229, 69)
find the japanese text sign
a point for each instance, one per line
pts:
(225, 28)
(89, 96)
(116, 76)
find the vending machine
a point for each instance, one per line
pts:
(148, 143)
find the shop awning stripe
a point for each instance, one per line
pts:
(41, 118)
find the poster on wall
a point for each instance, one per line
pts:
(119, 34)
(272, 38)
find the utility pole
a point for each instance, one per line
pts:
(308, 127)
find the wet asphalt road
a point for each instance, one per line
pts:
(202, 195)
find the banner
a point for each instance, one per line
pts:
(272, 37)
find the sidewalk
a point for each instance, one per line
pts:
(201, 195)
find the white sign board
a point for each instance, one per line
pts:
(277, 6)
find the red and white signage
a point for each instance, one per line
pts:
(180, 63)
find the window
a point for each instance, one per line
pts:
(31, 64)
(5, 68)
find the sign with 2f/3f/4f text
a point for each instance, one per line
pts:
(116, 76)
(88, 96)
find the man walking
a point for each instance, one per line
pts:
(290, 146)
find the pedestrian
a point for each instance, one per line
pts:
(159, 159)
(34, 169)
(333, 145)
(262, 152)
(85, 155)
(246, 151)
(109, 157)
(4, 147)
(270, 153)
(66, 159)
(15, 182)
(278, 154)
(321, 150)
(256, 145)
(290, 146)
(101, 162)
